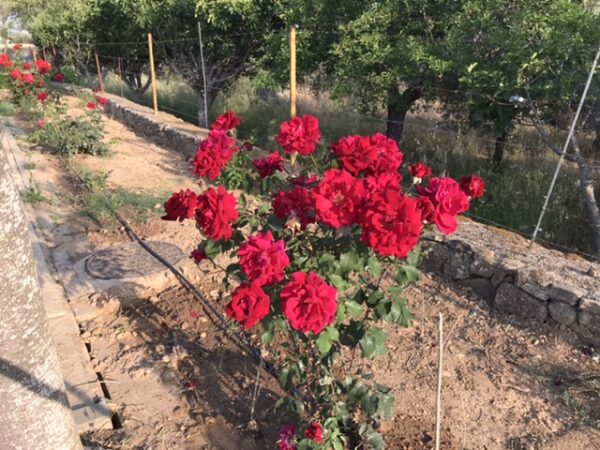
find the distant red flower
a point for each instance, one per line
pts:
(338, 198)
(16, 74)
(269, 165)
(17, 47)
(58, 77)
(27, 92)
(299, 135)
(305, 181)
(198, 255)
(247, 147)
(42, 96)
(249, 305)
(214, 153)
(26, 66)
(262, 259)
(314, 432)
(216, 212)
(41, 123)
(286, 437)
(419, 170)
(226, 122)
(91, 106)
(181, 205)
(101, 101)
(194, 314)
(448, 200)
(5, 60)
(295, 204)
(473, 186)
(43, 67)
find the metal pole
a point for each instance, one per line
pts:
(152, 74)
(205, 92)
(100, 78)
(120, 76)
(293, 93)
(566, 146)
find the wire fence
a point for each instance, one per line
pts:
(448, 143)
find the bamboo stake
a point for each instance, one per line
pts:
(293, 93)
(438, 396)
(152, 74)
(99, 70)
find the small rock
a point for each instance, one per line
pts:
(568, 295)
(562, 312)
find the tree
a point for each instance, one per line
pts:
(34, 413)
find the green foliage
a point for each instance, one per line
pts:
(7, 109)
(100, 205)
(32, 195)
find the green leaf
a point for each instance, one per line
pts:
(374, 265)
(386, 406)
(355, 309)
(373, 343)
(407, 274)
(324, 342)
(337, 281)
(284, 378)
(415, 257)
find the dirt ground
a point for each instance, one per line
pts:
(177, 382)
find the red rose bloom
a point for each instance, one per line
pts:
(286, 437)
(26, 66)
(5, 60)
(427, 209)
(91, 106)
(181, 205)
(391, 223)
(249, 305)
(308, 302)
(43, 67)
(389, 157)
(269, 165)
(338, 198)
(355, 153)
(247, 147)
(41, 123)
(299, 135)
(213, 154)
(473, 186)
(198, 255)
(216, 212)
(42, 96)
(448, 200)
(419, 170)
(226, 122)
(262, 260)
(27, 78)
(296, 203)
(17, 47)
(383, 181)
(58, 77)
(314, 432)
(101, 101)
(16, 74)
(307, 182)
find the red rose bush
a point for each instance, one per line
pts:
(309, 232)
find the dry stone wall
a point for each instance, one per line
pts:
(526, 280)
(503, 268)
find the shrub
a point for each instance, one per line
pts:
(320, 245)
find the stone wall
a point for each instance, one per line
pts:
(503, 268)
(522, 279)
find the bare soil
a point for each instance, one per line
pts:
(177, 382)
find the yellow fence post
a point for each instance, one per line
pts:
(120, 77)
(152, 74)
(293, 93)
(100, 77)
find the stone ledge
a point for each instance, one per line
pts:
(522, 279)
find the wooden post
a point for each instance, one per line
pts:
(293, 93)
(100, 77)
(152, 74)
(120, 76)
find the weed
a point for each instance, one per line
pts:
(32, 195)
(7, 109)
(29, 165)
(93, 180)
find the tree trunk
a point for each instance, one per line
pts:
(34, 412)
(499, 148)
(397, 108)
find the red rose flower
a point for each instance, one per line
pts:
(308, 302)
(42, 96)
(247, 147)
(249, 305)
(448, 200)
(16, 74)
(226, 122)
(473, 186)
(101, 101)
(17, 47)
(307, 182)
(355, 153)
(427, 209)
(43, 67)
(286, 437)
(419, 170)
(181, 205)
(299, 135)
(214, 153)
(27, 92)
(26, 66)
(338, 198)
(391, 223)
(91, 106)
(262, 260)
(5, 60)
(389, 157)
(58, 77)
(216, 212)
(198, 255)
(269, 165)
(314, 432)
(296, 203)
(41, 123)
(383, 181)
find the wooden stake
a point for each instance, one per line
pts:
(293, 93)
(438, 395)
(152, 74)
(120, 76)
(100, 77)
